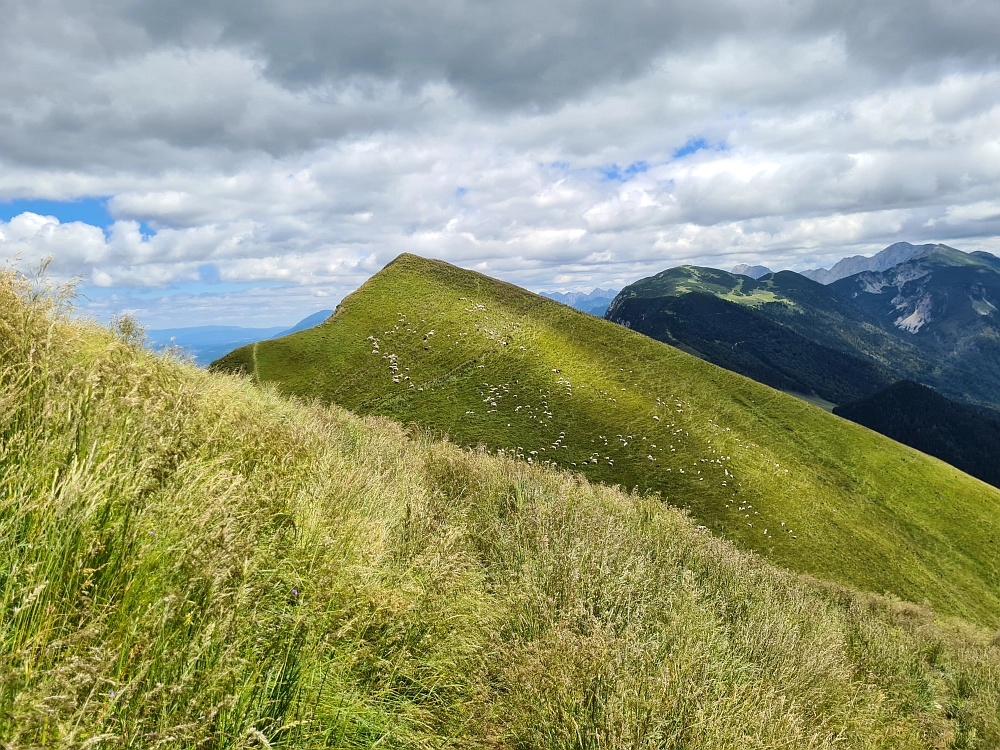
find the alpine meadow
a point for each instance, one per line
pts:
(188, 560)
(462, 375)
(495, 366)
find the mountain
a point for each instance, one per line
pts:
(782, 329)
(754, 272)
(309, 321)
(506, 371)
(915, 415)
(207, 343)
(743, 340)
(945, 304)
(929, 319)
(595, 302)
(579, 300)
(893, 255)
(187, 561)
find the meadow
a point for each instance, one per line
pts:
(188, 560)
(491, 365)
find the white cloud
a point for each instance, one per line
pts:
(294, 148)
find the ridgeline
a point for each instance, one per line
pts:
(493, 365)
(189, 561)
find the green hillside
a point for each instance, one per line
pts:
(187, 561)
(919, 417)
(489, 363)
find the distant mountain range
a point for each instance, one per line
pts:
(881, 261)
(208, 343)
(754, 272)
(930, 318)
(595, 302)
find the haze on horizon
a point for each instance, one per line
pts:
(248, 163)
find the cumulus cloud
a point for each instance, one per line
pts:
(295, 147)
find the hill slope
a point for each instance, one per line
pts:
(490, 363)
(915, 415)
(187, 561)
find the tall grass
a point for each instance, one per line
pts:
(516, 372)
(189, 561)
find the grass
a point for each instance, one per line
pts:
(493, 365)
(681, 280)
(189, 561)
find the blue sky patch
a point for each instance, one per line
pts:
(615, 173)
(460, 192)
(93, 211)
(699, 144)
(209, 273)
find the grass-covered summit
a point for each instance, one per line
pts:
(492, 364)
(188, 561)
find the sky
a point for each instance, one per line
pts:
(249, 163)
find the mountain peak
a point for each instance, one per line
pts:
(897, 253)
(594, 302)
(754, 272)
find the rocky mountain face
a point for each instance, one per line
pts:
(942, 296)
(945, 302)
(930, 318)
(881, 261)
(754, 272)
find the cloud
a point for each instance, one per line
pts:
(522, 51)
(296, 147)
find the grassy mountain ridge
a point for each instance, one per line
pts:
(224, 568)
(487, 362)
